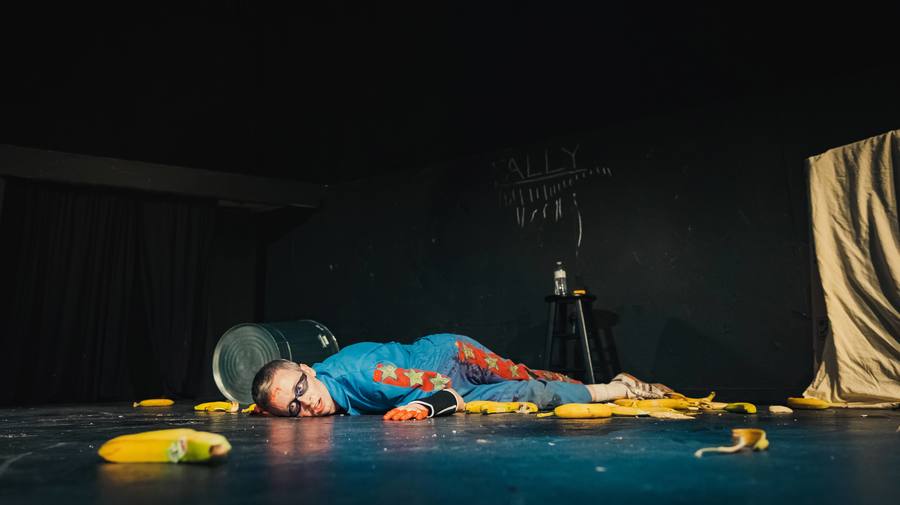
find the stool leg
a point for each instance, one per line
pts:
(585, 346)
(551, 326)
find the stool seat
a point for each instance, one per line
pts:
(580, 323)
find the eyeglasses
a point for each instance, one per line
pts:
(299, 390)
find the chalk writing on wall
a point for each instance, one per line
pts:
(543, 187)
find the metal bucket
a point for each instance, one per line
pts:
(245, 348)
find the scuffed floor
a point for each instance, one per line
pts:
(48, 455)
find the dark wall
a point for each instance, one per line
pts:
(694, 229)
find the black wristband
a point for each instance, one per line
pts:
(442, 403)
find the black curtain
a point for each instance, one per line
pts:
(104, 294)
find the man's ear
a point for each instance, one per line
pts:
(309, 371)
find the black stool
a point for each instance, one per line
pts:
(572, 318)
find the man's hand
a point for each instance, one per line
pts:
(412, 411)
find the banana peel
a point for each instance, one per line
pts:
(671, 414)
(218, 407)
(491, 407)
(154, 402)
(180, 445)
(667, 403)
(753, 438)
(694, 402)
(251, 409)
(618, 410)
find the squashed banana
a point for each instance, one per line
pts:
(491, 407)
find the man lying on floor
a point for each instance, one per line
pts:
(434, 376)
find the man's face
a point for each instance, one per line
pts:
(314, 401)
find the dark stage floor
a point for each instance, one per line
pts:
(48, 455)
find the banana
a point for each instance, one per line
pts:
(618, 410)
(490, 407)
(742, 437)
(780, 409)
(153, 402)
(251, 409)
(179, 445)
(741, 408)
(713, 406)
(808, 403)
(583, 410)
(218, 407)
(668, 403)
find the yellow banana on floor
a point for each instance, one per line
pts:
(153, 402)
(713, 406)
(808, 403)
(583, 411)
(668, 403)
(742, 437)
(251, 409)
(491, 407)
(741, 408)
(181, 445)
(218, 407)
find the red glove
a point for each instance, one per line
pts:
(414, 412)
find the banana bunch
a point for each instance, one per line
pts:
(154, 402)
(490, 407)
(231, 407)
(742, 437)
(180, 445)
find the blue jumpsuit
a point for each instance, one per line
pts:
(371, 378)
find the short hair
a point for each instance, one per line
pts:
(262, 381)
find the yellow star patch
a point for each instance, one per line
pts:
(491, 362)
(388, 371)
(514, 370)
(469, 353)
(439, 382)
(415, 378)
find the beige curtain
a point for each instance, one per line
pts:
(856, 243)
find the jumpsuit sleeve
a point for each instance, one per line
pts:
(385, 386)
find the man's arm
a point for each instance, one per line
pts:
(438, 404)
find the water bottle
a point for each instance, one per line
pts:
(559, 280)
